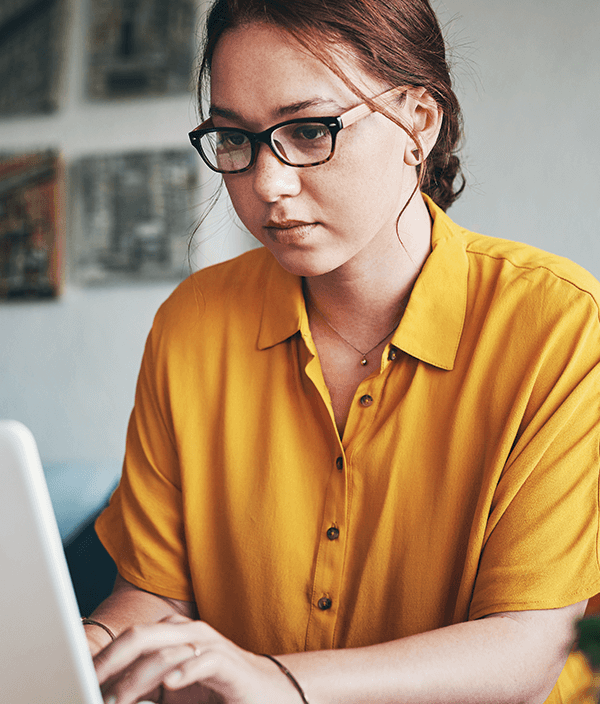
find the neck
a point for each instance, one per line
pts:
(371, 289)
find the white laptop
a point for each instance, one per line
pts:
(44, 658)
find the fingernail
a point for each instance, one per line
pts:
(111, 700)
(173, 677)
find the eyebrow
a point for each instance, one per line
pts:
(283, 111)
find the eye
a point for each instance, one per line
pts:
(232, 140)
(310, 132)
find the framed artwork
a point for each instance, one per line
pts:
(31, 225)
(140, 47)
(31, 39)
(133, 215)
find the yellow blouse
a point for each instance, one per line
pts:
(466, 482)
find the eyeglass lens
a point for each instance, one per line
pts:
(302, 144)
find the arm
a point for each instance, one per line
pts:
(128, 606)
(508, 658)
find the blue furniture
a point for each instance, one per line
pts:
(79, 491)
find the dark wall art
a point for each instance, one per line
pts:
(31, 40)
(31, 225)
(133, 216)
(140, 47)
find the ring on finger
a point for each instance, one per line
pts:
(195, 648)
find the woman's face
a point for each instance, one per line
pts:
(315, 219)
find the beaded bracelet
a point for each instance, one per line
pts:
(289, 675)
(91, 622)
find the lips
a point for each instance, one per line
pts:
(289, 232)
(286, 224)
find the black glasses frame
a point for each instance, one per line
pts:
(389, 98)
(333, 124)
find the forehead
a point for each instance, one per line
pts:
(257, 69)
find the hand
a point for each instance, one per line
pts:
(181, 661)
(97, 639)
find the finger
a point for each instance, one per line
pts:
(218, 662)
(154, 697)
(210, 665)
(176, 618)
(200, 668)
(144, 675)
(142, 640)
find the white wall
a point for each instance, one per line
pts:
(528, 77)
(529, 83)
(68, 367)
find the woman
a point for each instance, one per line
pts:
(369, 448)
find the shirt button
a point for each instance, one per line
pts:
(333, 533)
(339, 463)
(393, 354)
(324, 603)
(366, 400)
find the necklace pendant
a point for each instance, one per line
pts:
(364, 361)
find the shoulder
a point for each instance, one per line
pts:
(516, 299)
(210, 321)
(536, 314)
(498, 268)
(528, 271)
(218, 292)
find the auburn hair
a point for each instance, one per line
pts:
(396, 41)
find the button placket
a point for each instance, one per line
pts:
(329, 568)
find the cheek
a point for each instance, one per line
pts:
(366, 185)
(244, 201)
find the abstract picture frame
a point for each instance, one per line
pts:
(31, 225)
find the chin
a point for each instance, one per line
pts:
(303, 264)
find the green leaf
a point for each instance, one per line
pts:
(589, 639)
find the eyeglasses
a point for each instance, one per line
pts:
(305, 141)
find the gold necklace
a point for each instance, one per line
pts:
(364, 361)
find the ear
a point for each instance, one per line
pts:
(425, 119)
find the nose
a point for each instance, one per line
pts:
(272, 179)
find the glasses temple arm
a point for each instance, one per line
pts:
(207, 124)
(357, 113)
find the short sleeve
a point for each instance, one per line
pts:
(541, 543)
(142, 528)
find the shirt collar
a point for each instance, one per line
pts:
(432, 324)
(284, 311)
